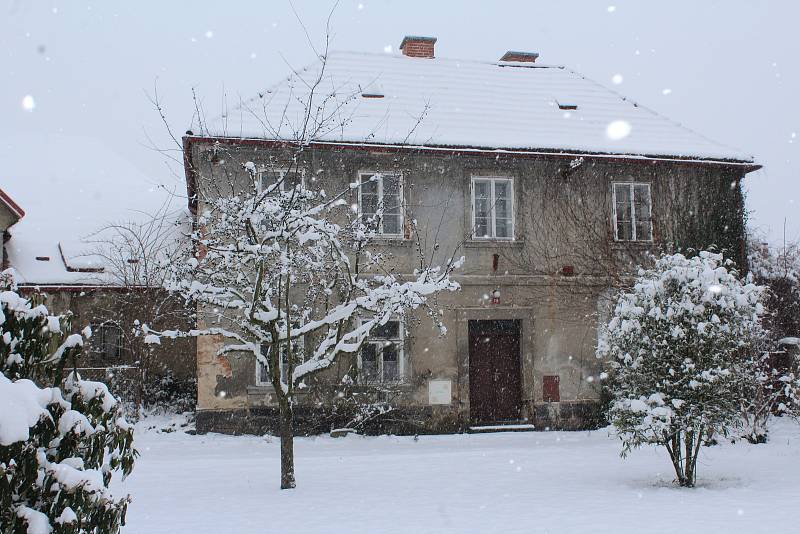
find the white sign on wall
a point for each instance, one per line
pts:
(440, 391)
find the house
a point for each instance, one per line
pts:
(10, 214)
(553, 187)
(60, 247)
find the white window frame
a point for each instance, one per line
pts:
(401, 357)
(631, 186)
(282, 171)
(401, 193)
(492, 216)
(300, 342)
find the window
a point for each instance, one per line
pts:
(492, 208)
(382, 191)
(381, 359)
(107, 341)
(262, 370)
(288, 180)
(632, 214)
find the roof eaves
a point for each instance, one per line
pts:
(748, 165)
(13, 206)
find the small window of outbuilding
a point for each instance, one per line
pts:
(107, 341)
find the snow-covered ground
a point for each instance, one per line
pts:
(559, 482)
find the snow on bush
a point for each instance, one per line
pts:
(61, 437)
(683, 347)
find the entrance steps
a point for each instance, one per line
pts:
(501, 427)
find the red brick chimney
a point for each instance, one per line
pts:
(522, 57)
(413, 46)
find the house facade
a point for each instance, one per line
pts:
(553, 188)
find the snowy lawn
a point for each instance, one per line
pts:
(560, 482)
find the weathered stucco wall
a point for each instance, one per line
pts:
(551, 277)
(93, 306)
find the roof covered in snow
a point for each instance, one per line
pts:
(394, 99)
(71, 188)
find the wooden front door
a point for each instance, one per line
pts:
(494, 371)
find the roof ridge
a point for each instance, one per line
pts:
(450, 59)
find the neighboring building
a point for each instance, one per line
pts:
(551, 185)
(10, 214)
(79, 189)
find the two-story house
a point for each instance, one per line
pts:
(552, 186)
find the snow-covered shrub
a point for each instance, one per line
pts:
(61, 437)
(683, 348)
(777, 389)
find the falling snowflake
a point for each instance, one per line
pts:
(666, 91)
(387, 49)
(617, 130)
(616, 79)
(28, 103)
(611, 9)
(209, 34)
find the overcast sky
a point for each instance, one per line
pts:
(728, 69)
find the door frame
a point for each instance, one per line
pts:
(526, 356)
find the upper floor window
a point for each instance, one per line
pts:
(262, 370)
(381, 192)
(632, 212)
(287, 179)
(492, 208)
(382, 355)
(107, 340)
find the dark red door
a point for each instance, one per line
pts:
(494, 371)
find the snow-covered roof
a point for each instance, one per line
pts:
(456, 103)
(71, 188)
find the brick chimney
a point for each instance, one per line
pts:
(413, 46)
(521, 57)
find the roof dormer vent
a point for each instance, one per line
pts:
(520, 57)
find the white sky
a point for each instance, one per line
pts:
(728, 69)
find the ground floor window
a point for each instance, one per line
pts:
(382, 356)
(107, 341)
(262, 369)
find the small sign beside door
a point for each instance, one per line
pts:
(440, 391)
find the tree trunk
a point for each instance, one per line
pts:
(689, 469)
(287, 444)
(674, 448)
